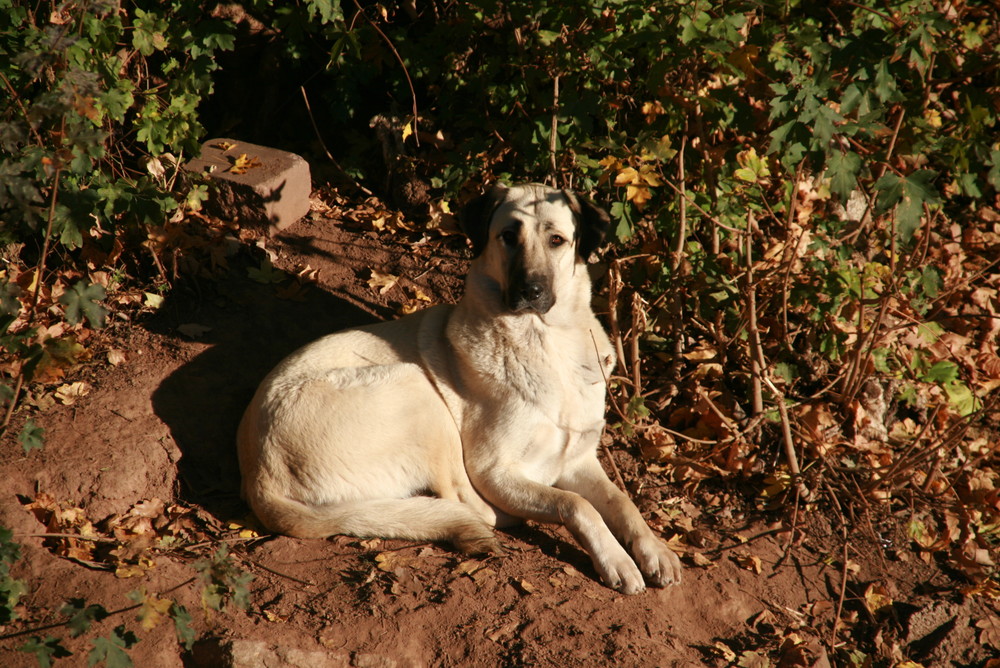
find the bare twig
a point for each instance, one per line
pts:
(329, 156)
(638, 326)
(758, 369)
(39, 271)
(402, 63)
(614, 290)
(553, 132)
(840, 601)
(756, 356)
(678, 255)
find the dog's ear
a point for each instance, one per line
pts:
(591, 223)
(477, 214)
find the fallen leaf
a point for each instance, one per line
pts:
(390, 562)
(989, 631)
(483, 574)
(468, 567)
(701, 560)
(69, 393)
(524, 586)
(153, 301)
(749, 562)
(115, 357)
(750, 659)
(245, 163)
(877, 599)
(382, 282)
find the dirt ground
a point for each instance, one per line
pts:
(159, 426)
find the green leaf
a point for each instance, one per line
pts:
(547, 37)
(10, 551)
(182, 625)
(843, 169)
(11, 591)
(890, 191)
(81, 615)
(930, 280)
(941, 372)
(917, 190)
(45, 651)
(961, 398)
(31, 437)
(111, 650)
(82, 300)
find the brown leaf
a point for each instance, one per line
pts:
(524, 586)
(749, 562)
(989, 631)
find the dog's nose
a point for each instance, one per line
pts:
(532, 291)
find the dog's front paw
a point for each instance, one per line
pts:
(657, 562)
(620, 573)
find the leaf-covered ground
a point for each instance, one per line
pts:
(135, 549)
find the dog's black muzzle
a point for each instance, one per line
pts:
(529, 293)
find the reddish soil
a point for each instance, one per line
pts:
(161, 424)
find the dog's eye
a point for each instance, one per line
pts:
(509, 237)
(555, 241)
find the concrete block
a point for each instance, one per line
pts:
(256, 185)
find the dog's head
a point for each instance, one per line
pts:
(530, 239)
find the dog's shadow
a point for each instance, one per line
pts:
(248, 329)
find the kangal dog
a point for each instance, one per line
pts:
(452, 421)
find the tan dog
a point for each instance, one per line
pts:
(449, 422)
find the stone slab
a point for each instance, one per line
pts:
(257, 185)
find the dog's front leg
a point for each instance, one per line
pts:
(517, 495)
(656, 561)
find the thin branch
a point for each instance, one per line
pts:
(840, 601)
(322, 143)
(39, 270)
(406, 72)
(553, 132)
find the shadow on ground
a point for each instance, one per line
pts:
(246, 330)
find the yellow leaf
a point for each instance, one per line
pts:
(224, 145)
(407, 130)
(245, 163)
(391, 561)
(382, 282)
(627, 176)
(638, 195)
(877, 599)
(152, 611)
(610, 163)
(649, 176)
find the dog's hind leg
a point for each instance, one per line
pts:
(419, 518)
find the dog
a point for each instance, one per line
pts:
(455, 420)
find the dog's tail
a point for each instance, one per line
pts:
(419, 518)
